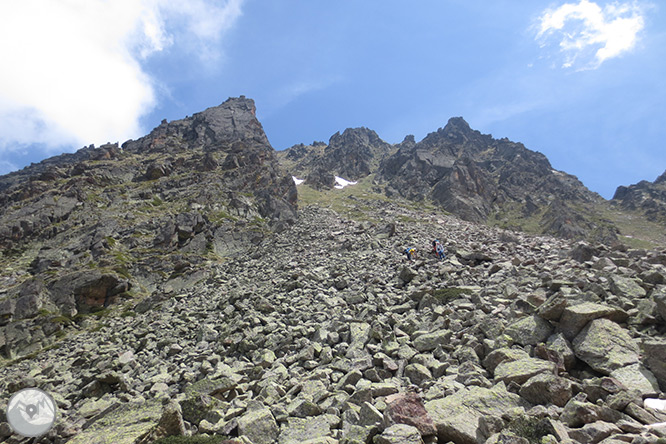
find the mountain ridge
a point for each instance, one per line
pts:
(473, 175)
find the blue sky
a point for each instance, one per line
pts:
(581, 81)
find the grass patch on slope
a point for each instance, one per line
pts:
(359, 202)
(635, 230)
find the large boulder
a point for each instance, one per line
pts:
(654, 351)
(529, 330)
(299, 431)
(605, 346)
(637, 377)
(259, 425)
(457, 416)
(125, 424)
(408, 408)
(575, 317)
(399, 434)
(546, 388)
(627, 287)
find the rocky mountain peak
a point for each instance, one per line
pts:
(355, 139)
(212, 129)
(457, 124)
(101, 223)
(353, 154)
(479, 178)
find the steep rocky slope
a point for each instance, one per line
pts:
(325, 333)
(167, 291)
(82, 231)
(648, 198)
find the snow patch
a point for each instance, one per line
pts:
(297, 181)
(655, 403)
(340, 183)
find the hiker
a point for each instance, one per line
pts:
(438, 249)
(411, 253)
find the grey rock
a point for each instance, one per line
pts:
(430, 341)
(521, 370)
(529, 330)
(299, 431)
(559, 344)
(654, 352)
(637, 377)
(456, 417)
(575, 317)
(546, 388)
(605, 346)
(259, 425)
(627, 287)
(577, 413)
(417, 373)
(659, 297)
(498, 356)
(399, 434)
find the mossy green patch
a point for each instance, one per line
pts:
(123, 425)
(192, 439)
(446, 295)
(530, 428)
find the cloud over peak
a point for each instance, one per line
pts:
(72, 69)
(588, 34)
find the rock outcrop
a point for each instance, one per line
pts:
(352, 155)
(482, 179)
(83, 231)
(649, 198)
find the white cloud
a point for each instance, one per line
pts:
(587, 34)
(72, 69)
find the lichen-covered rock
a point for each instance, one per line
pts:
(637, 377)
(299, 431)
(521, 370)
(259, 425)
(546, 388)
(654, 351)
(605, 346)
(529, 330)
(399, 434)
(124, 425)
(627, 287)
(456, 417)
(575, 317)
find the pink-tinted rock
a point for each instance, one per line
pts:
(408, 408)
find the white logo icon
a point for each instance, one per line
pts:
(31, 412)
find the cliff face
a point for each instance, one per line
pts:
(82, 231)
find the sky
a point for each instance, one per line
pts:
(582, 81)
